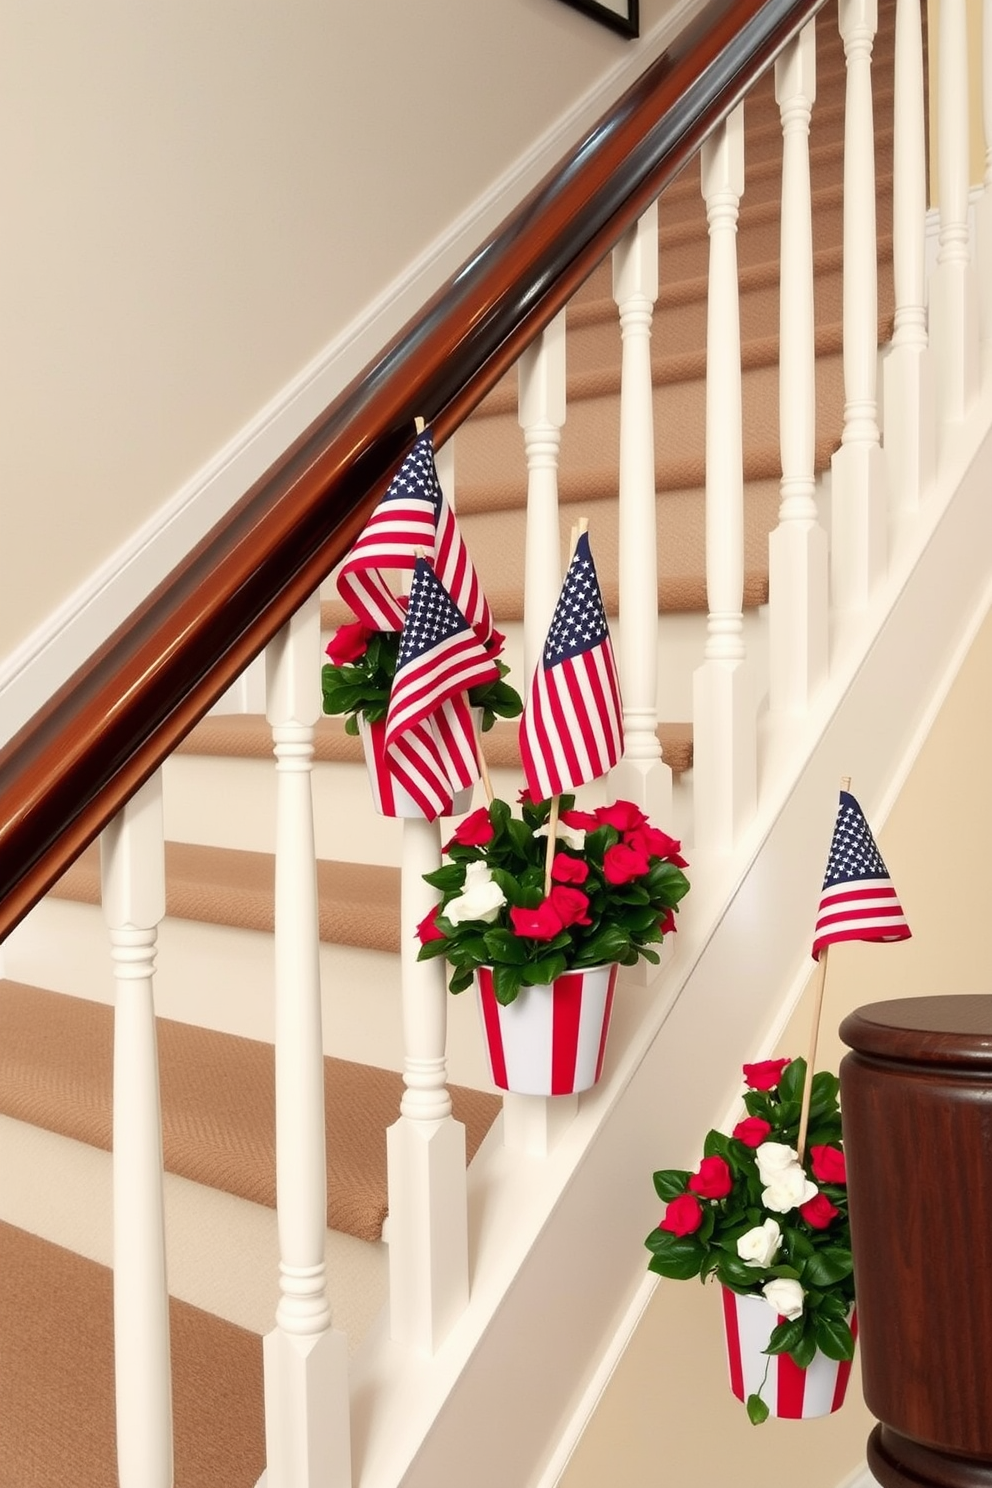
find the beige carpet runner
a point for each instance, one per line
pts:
(57, 1426)
(218, 1102)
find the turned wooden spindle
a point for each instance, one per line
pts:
(916, 1095)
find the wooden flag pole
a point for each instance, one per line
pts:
(821, 977)
(483, 767)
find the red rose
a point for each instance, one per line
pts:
(829, 1164)
(667, 924)
(570, 905)
(427, 929)
(818, 1212)
(622, 863)
(623, 815)
(582, 821)
(542, 923)
(752, 1131)
(568, 870)
(656, 844)
(523, 797)
(766, 1074)
(683, 1216)
(475, 831)
(713, 1181)
(348, 643)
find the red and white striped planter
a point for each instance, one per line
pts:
(551, 1039)
(389, 797)
(788, 1391)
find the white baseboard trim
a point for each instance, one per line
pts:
(84, 620)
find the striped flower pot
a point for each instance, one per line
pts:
(788, 1391)
(388, 796)
(551, 1039)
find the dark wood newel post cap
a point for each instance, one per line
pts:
(916, 1098)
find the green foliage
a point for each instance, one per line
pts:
(361, 687)
(606, 921)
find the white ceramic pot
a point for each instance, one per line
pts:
(788, 1391)
(551, 1039)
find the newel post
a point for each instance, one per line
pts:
(916, 1096)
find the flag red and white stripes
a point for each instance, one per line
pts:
(858, 900)
(572, 728)
(430, 735)
(412, 515)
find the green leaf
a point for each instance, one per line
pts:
(432, 949)
(679, 1257)
(803, 1353)
(670, 1182)
(504, 946)
(757, 1410)
(826, 1266)
(790, 1086)
(834, 1338)
(506, 983)
(785, 1337)
(447, 879)
(544, 971)
(461, 979)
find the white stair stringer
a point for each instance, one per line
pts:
(556, 1243)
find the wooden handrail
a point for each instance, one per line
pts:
(74, 764)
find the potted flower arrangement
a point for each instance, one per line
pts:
(773, 1229)
(358, 675)
(356, 681)
(541, 954)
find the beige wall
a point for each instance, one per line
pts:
(198, 196)
(668, 1415)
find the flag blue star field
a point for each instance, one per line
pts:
(572, 728)
(430, 737)
(858, 901)
(412, 515)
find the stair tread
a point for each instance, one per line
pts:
(56, 1318)
(218, 1102)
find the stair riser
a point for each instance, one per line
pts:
(218, 977)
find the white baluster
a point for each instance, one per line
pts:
(428, 1223)
(642, 774)
(531, 1123)
(907, 374)
(541, 413)
(133, 871)
(797, 549)
(724, 791)
(306, 1363)
(859, 517)
(984, 223)
(953, 301)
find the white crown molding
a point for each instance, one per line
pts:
(85, 618)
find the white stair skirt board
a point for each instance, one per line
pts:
(222, 1251)
(216, 977)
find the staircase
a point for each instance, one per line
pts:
(556, 1200)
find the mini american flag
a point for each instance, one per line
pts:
(572, 728)
(858, 901)
(412, 515)
(430, 738)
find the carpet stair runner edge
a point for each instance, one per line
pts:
(218, 1102)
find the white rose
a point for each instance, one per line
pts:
(573, 837)
(759, 1245)
(787, 1190)
(784, 1297)
(481, 899)
(772, 1157)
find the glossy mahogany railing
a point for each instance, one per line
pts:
(74, 764)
